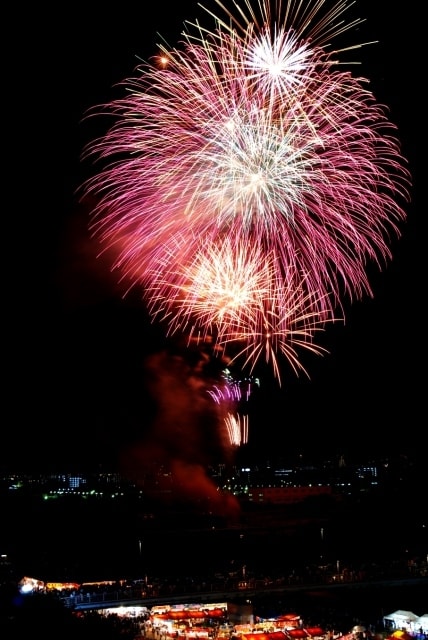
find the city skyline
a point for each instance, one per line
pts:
(90, 376)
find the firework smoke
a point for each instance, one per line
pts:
(171, 461)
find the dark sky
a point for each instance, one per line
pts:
(85, 378)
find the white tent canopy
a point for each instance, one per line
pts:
(400, 620)
(421, 623)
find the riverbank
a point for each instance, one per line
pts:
(333, 607)
(336, 609)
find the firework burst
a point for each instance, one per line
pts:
(231, 398)
(247, 183)
(237, 429)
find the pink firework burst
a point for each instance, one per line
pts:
(230, 294)
(219, 286)
(247, 183)
(230, 396)
(286, 322)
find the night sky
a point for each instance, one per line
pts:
(88, 380)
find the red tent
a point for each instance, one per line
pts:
(315, 631)
(273, 635)
(296, 634)
(290, 620)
